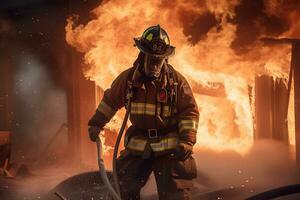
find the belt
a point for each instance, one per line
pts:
(153, 133)
(158, 139)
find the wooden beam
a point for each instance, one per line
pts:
(280, 40)
(296, 67)
(81, 95)
(271, 100)
(263, 107)
(280, 110)
(214, 89)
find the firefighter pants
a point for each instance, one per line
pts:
(173, 177)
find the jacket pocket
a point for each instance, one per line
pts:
(186, 169)
(128, 135)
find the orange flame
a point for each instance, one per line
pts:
(225, 123)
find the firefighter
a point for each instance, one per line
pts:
(164, 117)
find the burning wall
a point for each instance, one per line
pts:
(216, 41)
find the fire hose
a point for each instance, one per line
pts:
(116, 194)
(102, 171)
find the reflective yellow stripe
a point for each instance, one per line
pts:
(166, 111)
(190, 125)
(149, 109)
(106, 110)
(142, 108)
(139, 144)
(164, 144)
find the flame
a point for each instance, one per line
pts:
(225, 123)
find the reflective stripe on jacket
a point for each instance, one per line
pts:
(165, 143)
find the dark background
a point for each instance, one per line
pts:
(36, 76)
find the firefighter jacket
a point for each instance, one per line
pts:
(163, 111)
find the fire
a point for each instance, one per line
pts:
(225, 123)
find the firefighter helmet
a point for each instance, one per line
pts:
(155, 42)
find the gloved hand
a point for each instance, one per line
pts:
(94, 132)
(184, 150)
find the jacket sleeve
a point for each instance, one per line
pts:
(113, 99)
(187, 112)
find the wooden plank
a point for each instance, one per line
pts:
(296, 67)
(263, 107)
(81, 106)
(280, 106)
(274, 41)
(271, 104)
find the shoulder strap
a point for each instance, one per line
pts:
(173, 85)
(129, 90)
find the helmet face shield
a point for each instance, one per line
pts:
(153, 65)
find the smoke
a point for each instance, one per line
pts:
(253, 19)
(204, 23)
(267, 165)
(40, 108)
(262, 18)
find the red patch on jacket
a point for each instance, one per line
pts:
(162, 96)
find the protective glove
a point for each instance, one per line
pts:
(184, 150)
(94, 132)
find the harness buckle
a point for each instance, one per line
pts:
(152, 133)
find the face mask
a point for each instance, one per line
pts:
(153, 66)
